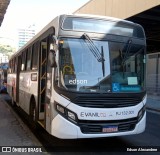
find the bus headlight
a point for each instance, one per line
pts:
(66, 113)
(141, 113)
(71, 115)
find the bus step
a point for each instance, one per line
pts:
(41, 122)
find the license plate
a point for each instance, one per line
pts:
(109, 129)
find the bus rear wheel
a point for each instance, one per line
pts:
(33, 113)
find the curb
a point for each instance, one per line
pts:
(153, 109)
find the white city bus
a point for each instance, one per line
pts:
(82, 76)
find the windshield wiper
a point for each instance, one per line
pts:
(93, 48)
(103, 66)
(95, 51)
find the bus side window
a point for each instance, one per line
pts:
(20, 62)
(34, 56)
(10, 66)
(28, 67)
(23, 61)
(15, 65)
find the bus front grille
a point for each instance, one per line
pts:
(95, 127)
(106, 102)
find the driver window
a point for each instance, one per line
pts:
(67, 71)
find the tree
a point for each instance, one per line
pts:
(7, 50)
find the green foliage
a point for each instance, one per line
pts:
(7, 50)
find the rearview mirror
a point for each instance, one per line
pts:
(52, 58)
(53, 40)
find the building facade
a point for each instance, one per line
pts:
(3, 58)
(117, 8)
(24, 35)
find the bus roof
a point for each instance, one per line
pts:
(55, 21)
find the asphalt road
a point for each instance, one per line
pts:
(114, 145)
(149, 139)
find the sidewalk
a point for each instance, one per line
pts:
(153, 102)
(13, 132)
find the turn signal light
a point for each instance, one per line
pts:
(66, 113)
(60, 108)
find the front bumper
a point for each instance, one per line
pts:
(64, 129)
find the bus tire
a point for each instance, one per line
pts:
(33, 114)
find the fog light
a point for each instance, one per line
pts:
(71, 115)
(60, 108)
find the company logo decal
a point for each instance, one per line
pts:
(93, 114)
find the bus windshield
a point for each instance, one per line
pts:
(121, 68)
